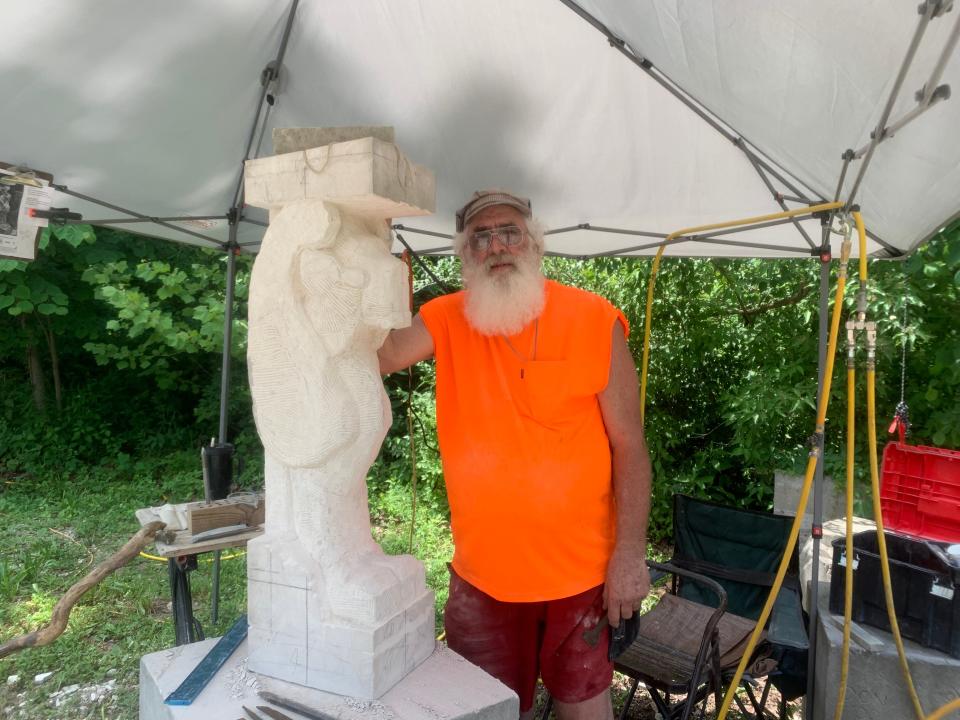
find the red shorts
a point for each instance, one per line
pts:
(518, 641)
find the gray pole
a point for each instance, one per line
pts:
(227, 330)
(816, 529)
(225, 389)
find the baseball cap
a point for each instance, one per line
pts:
(486, 198)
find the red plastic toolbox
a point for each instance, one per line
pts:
(920, 491)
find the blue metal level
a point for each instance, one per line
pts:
(197, 680)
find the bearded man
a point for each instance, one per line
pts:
(546, 468)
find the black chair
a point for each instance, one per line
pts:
(690, 643)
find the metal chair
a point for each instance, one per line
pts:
(691, 641)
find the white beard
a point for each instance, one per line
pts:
(504, 303)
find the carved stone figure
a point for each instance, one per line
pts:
(327, 608)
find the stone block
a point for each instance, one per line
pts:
(875, 685)
(368, 177)
(287, 140)
(786, 496)
(443, 687)
(293, 635)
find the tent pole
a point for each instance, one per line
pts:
(927, 12)
(778, 197)
(267, 78)
(658, 75)
(145, 218)
(225, 389)
(227, 330)
(816, 530)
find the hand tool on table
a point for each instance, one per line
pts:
(220, 532)
(251, 714)
(307, 712)
(273, 714)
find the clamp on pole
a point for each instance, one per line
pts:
(56, 216)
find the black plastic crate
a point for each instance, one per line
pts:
(926, 588)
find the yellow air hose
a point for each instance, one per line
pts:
(942, 712)
(875, 484)
(807, 482)
(848, 570)
(814, 454)
(651, 283)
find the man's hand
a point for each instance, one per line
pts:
(628, 582)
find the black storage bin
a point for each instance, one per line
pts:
(926, 595)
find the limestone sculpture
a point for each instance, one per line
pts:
(327, 608)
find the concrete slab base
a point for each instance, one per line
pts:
(875, 685)
(443, 687)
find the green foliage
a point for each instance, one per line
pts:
(164, 307)
(53, 528)
(929, 283)
(136, 329)
(732, 384)
(733, 364)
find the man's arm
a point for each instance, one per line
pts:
(627, 578)
(405, 346)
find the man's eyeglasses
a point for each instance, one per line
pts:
(508, 236)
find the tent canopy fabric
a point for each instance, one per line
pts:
(149, 106)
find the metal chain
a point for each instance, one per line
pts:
(902, 412)
(903, 352)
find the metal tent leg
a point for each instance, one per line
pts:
(816, 529)
(225, 390)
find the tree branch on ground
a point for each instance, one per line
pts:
(61, 611)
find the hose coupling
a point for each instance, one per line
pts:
(816, 442)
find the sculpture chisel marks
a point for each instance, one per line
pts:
(327, 608)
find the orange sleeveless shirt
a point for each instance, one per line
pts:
(526, 458)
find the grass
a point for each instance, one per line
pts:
(53, 529)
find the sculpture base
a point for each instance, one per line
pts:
(358, 637)
(444, 687)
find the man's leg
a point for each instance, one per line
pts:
(574, 665)
(599, 707)
(500, 637)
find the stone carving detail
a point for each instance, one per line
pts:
(327, 608)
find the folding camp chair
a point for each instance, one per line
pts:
(690, 643)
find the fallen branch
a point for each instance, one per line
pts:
(61, 611)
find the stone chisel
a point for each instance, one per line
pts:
(220, 532)
(290, 705)
(272, 714)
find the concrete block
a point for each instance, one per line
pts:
(287, 140)
(875, 685)
(786, 497)
(443, 687)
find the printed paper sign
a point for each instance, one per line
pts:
(18, 231)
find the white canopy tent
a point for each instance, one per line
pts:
(149, 107)
(622, 121)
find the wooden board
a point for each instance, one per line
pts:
(178, 542)
(221, 513)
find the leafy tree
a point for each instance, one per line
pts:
(35, 297)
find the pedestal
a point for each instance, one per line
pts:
(443, 687)
(363, 650)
